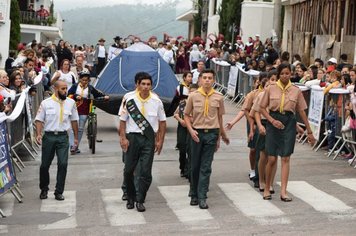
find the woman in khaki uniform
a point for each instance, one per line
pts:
(283, 100)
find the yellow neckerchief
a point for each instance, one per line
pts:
(206, 95)
(61, 103)
(260, 88)
(284, 89)
(143, 101)
(82, 89)
(184, 84)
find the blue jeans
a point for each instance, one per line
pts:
(82, 121)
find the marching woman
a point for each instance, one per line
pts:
(283, 100)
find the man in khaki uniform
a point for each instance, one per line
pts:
(206, 106)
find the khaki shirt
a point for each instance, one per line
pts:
(195, 107)
(294, 100)
(256, 105)
(250, 97)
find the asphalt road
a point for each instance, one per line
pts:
(323, 193)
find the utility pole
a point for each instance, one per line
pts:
(277, 18)
(204, 19)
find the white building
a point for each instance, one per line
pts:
(4, 30)
(49, 29)
(42, 30)
(256, 17)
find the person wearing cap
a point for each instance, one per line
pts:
(81, 92)
(206, 107)
(331, 65)
(56, 115)
(142, 129)
(100, 56)
(115, 48)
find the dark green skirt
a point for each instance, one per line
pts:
(251, 143)
(280, 142)
(261, 139)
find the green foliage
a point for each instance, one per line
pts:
(230, 14)
(15, 29)
(198, 19)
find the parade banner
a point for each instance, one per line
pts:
(233, 77)
(315, 112)
(7, 176)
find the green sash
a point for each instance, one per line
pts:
(140, 119)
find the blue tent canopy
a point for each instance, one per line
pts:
(117, 78)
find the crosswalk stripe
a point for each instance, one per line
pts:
(251, 204)
(7, 206)
(116, 209)
(347, 183)
(318, 199)
(177, 199)
(68, 206)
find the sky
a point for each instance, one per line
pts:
(63, 5)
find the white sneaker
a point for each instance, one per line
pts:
(349, 161)
(252, 174)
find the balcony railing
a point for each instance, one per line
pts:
(31, 18)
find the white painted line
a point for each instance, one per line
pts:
(68, 206)
(251, 204)
(7, 206)
(347, 183)
(116, 209)
(178, 200)
(318, 199)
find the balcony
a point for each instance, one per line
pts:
(30, 18)
(186, 9)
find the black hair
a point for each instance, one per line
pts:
(141, 76)
(321, 62)
(282, 67)
(272, 73)
(314, 70)
(343, 57)
(297, 57)
(28, 60)
(186, 73)
(347, 78)
(208, 71)
(285, 56)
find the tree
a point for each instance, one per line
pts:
(15, 29)
(198, 19)
(230, 17)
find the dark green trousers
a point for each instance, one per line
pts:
(54, 144)
(202, 155)
(182, 146)
(140, 150)
(137, 171)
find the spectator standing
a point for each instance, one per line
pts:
(100, 56)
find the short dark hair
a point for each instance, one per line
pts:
(272, 73)
(343, 57)
(186, 73)
(208, 71)
(321, 62)
(141, 76)
(28, 60)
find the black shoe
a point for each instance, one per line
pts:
(130, 204)
(268, 197)
(203, 205)
(256, 184)
(286, 199)
(58, 196)
(194, 201)
(124, 197)
(182, 174)
(44, 194)
(140, 207)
